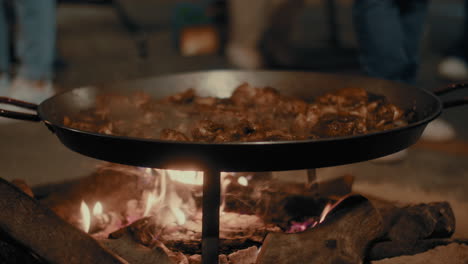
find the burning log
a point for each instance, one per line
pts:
(281, 202)
(147, 232)
(197, 259)
(126, 247)
(142, 231)
(344, 238)
(412, 229)
(390, 249)
(12, 253)
(402, 229)
(30, 224)
(111, 184)
(453, 253)
(410, 223)
(226, 245)
(248, 255)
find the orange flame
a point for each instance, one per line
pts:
(97, 209)
(85, 216)
(179, 215)
(150, 201)
(165, 196)
(243, 181)
(325, 212)
(187, 177)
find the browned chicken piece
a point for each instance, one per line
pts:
(242, 129)
(292, 107)
(106, 129)
(346, 97)
(243, 94)
(250, 114)
(140, 98)
(276, 135)
(303, 123)
(359, 94)
(383, 115)
(266, 97)
(171, 134)
(184, 97)
(340, 125)
(206, 101)
(206, 130)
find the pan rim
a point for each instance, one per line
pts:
(423, 121)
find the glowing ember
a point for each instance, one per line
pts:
(243, 181)
(85, 217)
(187, 177)
(325, 212)
(297, 227)
(97, 209)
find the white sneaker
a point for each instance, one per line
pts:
(244, 57)
(439, 130)
(392, 158)
(453, 68)
(31, 91)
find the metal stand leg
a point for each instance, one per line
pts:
(210, 225)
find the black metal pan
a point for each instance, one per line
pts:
(239, 156)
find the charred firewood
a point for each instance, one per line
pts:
(453, 253)
(280, 202)
(148, 233)
(410, 223)
(390, 249)
(143, 231)
(31, 225)
(111, 184)
(12, 253)
(126, 247)
(226, 246)
(343, 238)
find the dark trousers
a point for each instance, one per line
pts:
(389, 34)
(461, 47)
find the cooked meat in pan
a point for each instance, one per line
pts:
(250, 114)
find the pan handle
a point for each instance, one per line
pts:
(19, 115)
(451, 88)
(456, 102)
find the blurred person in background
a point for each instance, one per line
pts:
(35, 47)
(454, 66)
(248, 23)
(389, 33)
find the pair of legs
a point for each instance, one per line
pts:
(35, 39)
(460, 48)
(455, 66)
(389, 34)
